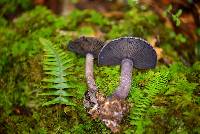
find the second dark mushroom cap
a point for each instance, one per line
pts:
(84, 45)
(136, 49)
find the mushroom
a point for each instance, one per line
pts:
(129, 52)
(90, 47)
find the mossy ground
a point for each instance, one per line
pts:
(171, 92)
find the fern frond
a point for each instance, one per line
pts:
(58, 100)
(156, 82)
(55, 64)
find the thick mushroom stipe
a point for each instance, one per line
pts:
(90, 100)
(89, 72)
(125, 80)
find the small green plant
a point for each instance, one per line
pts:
(55, 64)
(158, 94)
(175, 17)
(153, 84)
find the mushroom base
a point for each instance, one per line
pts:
(110, 110)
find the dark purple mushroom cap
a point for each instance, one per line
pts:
(84, 45)
(136, 49)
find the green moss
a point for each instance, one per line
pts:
(77, 17)
(8, 7)
(107, 78)
(135, 23)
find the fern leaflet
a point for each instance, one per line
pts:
(55, 64)
(144, 98)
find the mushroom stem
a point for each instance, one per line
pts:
(89, 73)
(125, 80)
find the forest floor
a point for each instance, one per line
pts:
(162, 100)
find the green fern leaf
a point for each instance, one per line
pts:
(53, 73)
(55, 64)
(59, 100)
(56, 93)
(156, 82)
(59, 86)
(54, 80)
